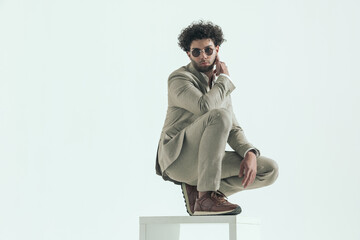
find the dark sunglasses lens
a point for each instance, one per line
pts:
(208, 51)
(195, 52)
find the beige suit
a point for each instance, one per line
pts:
(198, 124)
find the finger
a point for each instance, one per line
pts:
(245, 184)
(241, 172)
(248, 182)
(246, 179)
(254, 173)
(253, 176)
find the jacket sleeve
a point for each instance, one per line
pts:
(184, 93)
(237, 139)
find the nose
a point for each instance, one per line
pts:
(203, 54)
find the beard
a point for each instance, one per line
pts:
(203, 69)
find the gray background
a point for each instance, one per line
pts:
(83, 97)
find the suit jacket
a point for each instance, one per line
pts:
(188, 99)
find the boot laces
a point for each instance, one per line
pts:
(219, 196)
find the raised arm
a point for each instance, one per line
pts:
(184, 93)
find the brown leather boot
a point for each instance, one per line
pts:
(190, 194)
(215, 203)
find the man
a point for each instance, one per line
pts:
(199, 123)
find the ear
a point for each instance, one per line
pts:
(217, 48)
(188, 53)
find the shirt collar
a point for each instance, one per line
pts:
(207, 79)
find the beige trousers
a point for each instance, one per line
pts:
(203, 161)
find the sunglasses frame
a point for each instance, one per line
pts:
(205, 50)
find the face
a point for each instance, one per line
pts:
(203, 63)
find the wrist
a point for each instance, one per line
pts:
(250, 152)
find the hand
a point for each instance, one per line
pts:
(220, 67)
(248, 169)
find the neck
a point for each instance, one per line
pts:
(209, 74)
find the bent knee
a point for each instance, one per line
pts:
(275, 172)
(269, 168)
(221, 115)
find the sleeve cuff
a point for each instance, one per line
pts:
(254, 150)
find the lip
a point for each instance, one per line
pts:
(204, 63)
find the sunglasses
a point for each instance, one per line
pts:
(196, 51)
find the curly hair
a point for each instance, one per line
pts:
(200, 30)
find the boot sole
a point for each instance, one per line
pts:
(186, 198)
(206, 213)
